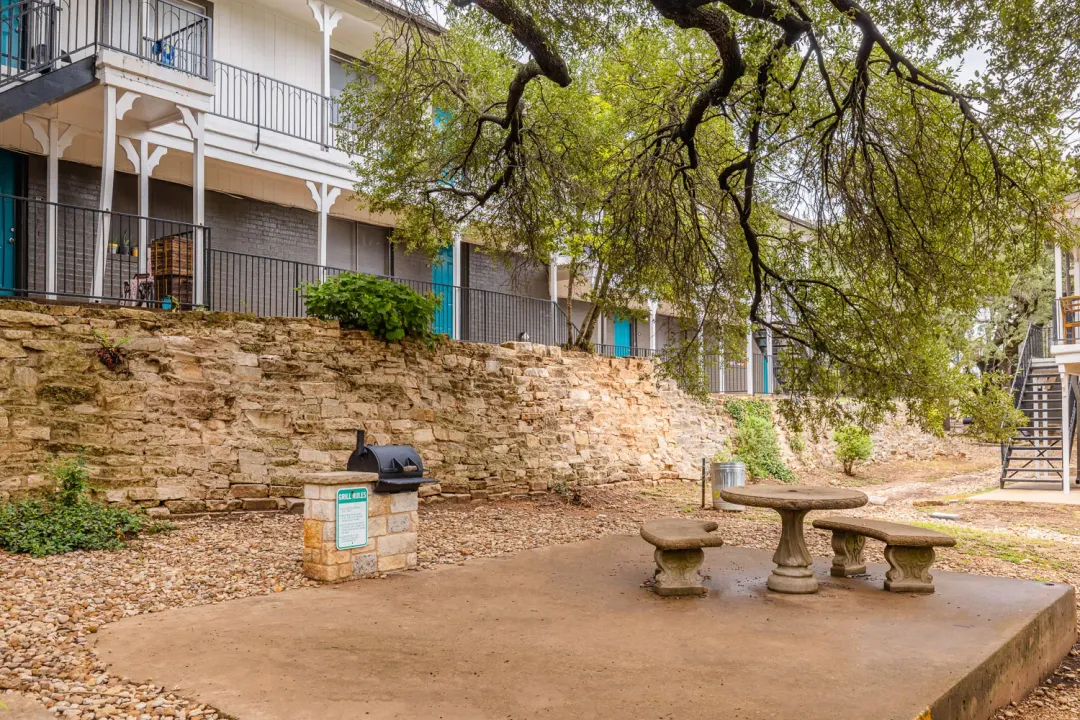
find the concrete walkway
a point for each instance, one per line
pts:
(1030, 493)
(567, 632)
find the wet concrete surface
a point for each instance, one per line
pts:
(568, 631)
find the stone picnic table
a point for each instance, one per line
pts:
(793, 573)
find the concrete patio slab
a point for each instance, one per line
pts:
(568, 632)
(1030, 493)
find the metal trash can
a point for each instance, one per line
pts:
(726, 475)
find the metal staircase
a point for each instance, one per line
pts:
(1034, 453)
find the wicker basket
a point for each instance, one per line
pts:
(171, 256)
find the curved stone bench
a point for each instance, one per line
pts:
(909, 550)
(679, 553)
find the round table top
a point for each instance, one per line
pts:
(794, 498)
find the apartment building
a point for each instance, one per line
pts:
(183, 153)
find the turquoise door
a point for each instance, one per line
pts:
(622, 337)
(8, 173)
(442, 279)
(10, 32)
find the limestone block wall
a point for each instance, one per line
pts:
(221, 412)
(226, 412)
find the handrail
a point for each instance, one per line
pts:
(1023, 366)
(255, 99)
(1072, 425)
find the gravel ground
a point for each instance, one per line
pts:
(51, 606)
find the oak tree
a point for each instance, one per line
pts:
(660, 144)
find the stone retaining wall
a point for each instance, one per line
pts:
(226, 412)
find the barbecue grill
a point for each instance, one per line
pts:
(399, 467)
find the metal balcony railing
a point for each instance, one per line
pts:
(272, 287)
(37, 36)
(268, 104)
(147, 262)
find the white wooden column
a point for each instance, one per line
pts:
(702, 366)
(1066, 441)
(52, 175)
(553, 295)
(1074, 256)
(769, 375)
(1059, 333)
(195, 120)
(653, 307)
(114, 109)
(53, 143)
(327, 18)
(324, 197)
(144, 162)
(105, 192)
(750, 360)
(455, 305)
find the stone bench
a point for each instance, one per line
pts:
(909, 550)
(679, 553)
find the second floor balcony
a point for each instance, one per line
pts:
(268, 104)
(40, 37)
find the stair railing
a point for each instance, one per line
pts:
(1023, 367)
(1072, 425)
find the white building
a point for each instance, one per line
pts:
(184, 152)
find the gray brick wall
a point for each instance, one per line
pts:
(411, 265)
(356, 246)
(503, 299)
(514, 275)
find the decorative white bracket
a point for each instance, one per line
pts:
(327, 17)
(136, 160)
(40, 129)
(192, 122)
(324, 196)
(123, 105)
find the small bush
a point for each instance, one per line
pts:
(388, 310)
(67, 519)
(741, 409)
(853, 444)
(758, 447)
(756, 443)
(989, 404)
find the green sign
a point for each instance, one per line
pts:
(352, 517)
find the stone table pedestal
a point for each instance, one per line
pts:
(342, 541)
(793, 572)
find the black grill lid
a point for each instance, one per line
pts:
(399, 467)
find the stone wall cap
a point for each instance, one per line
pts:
(342, 477)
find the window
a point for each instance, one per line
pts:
(342, 72)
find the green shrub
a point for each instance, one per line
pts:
(740, 409)
(853, 444)
(989, 404)
(388, 310)
(756, 443)
(67, 519)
